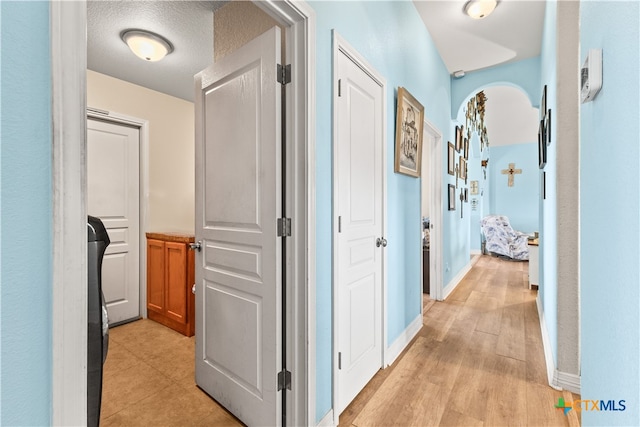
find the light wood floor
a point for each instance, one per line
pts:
(478, 361)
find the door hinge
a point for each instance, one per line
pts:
(284, 227)
(284, 380)
(340, 224)
(284, 74)
(339, 87)
(339, 360)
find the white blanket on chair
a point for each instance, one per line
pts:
(501, 239)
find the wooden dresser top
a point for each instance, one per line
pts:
(172, 237)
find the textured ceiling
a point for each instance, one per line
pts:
(511, 33)
(188, 25)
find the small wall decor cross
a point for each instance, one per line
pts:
(511, 171)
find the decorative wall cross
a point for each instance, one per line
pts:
(511, 171)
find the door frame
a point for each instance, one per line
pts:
(68, 22)
(143, 176)
(434, 156)
(340, 45)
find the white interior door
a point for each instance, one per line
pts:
(359, 206)
(432, 145)
(113, 193)
(238, 199)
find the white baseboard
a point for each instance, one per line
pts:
(476, 252)
(394, 350)
(546, 343)
(557, 379)
(457, 279)
(327, 421)
(475, 259)
(568, 381)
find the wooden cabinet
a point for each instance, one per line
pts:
(170, 277)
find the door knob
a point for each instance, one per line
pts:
(196, 246)
(384, 242)
(193, 289)
(381, 241)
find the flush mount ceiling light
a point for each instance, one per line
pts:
(147, 45)
(478, 9)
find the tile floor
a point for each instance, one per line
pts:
(149, 380)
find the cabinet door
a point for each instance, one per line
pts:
(155, 275)
(176, 281)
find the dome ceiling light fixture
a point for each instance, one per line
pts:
(146, 45)
(479, 9)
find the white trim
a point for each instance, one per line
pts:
(299, 18)
(435, 213)
(69, 295)
(546, 344)
(143, 172)
(476, 252)
(327, 420)
(69, 290)
(453, 284)
(403, 340)
(557, 379)
(568, 381)
(340, 45)
(304, 37)
(300, 53)
(383, 336)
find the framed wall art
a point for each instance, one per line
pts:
(409, 119)
(547, 126)
(542, 146)
(474, 187)
(452, 197)
(459, 137)
(466, 148)
(451, 160)
(463, 168)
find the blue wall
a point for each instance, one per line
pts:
(462, 235)
(476, 174)
(520, 202)
(383, 33)
(524, 74)
(456, 245)
(547, 209)
(386, 34)
(25, 308)
(609, 207)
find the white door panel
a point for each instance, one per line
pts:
(359, 204)
(113, 192)
(238, 198)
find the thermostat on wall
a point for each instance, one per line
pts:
(591, 75)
